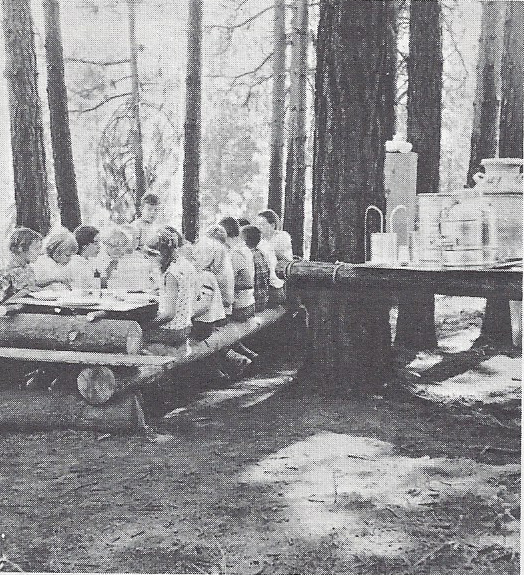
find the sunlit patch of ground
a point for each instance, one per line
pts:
(495, 380)
(334, 482)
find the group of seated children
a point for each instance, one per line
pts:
(227, 273)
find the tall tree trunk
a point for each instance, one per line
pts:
(27, 140)
(391, 69)
(348, 176)
(65, 178)
(295, 191)
(486, 103)
(136, 125)
(192, 127)
(425, 63)
(276, 160)
(511, 132)
(416, 318)
(496, 327)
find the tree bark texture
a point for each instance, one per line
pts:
(295, 189)
(350, 111)
(193, 124)
(43, 410)
(390, 94)
(496, 328)
(415, 324)
(136, 125)
(46, 331)
(425, 65)
(65, 178)
(511, 132)
(278, 113)
(486, 103)
(348, 176)
(27, 140)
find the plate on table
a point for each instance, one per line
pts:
(137, 297)
(45, 295)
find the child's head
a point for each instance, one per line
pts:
(218, 233)
(118, 242)
(149, 208)
(26, 243)
(88, 240)
(164, 247)
(243, 222)
(61, 247)
(231, 226)
(251, 236)
(209, 254)
(268, 221)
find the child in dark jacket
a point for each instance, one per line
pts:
(251, 236)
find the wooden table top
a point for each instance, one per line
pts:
(107, 301)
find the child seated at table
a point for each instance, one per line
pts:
(25, 246)
(53, 269)
(177, 288)
(243, 271)
(134, 272)
(208, 309)
(83, 264)
(252, 236)
(146, 226)
(223, 268)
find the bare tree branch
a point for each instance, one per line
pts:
(100, 104)
(245, 22)
(97, 62)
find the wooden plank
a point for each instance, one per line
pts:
(445, 281)
(80, 357)
(186, 353)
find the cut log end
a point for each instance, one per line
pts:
(96, 384)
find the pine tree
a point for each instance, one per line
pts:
(65, 177)
(25, 109)
(192, 127)
(295, 188)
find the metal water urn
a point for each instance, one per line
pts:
(501, 188)
(467, 232)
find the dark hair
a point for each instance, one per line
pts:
(166, 243)
(243, 222)
(231, 226)
(85, 235)
(251, 235)
(22, 238)
(271, 217)
(150, 199)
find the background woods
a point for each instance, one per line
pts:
(238, 62)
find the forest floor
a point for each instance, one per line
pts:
(262, 478)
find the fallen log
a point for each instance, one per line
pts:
(44, 410)
(98, 386)
(70, 333)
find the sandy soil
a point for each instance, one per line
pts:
(263, 477)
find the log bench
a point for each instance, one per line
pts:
(108, 382)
